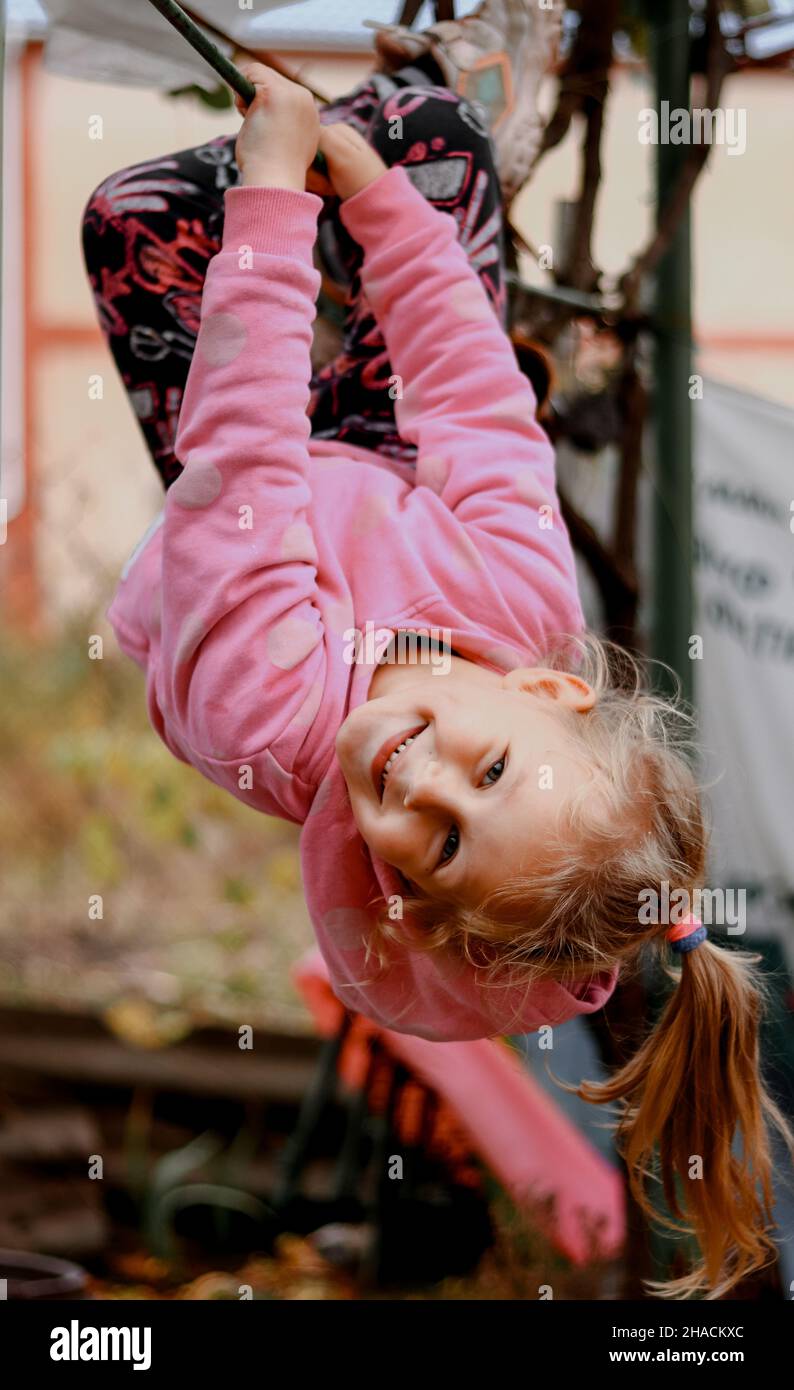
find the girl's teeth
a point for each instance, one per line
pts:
(393, 757)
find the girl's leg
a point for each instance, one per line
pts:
(444, 145)
(149, 233)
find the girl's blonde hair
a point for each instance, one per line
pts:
(694, 1086)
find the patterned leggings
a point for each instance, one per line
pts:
(150, 231)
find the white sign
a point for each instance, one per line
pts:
(744, 528)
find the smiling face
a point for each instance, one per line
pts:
(449, 777)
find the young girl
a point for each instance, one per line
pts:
(478, 824)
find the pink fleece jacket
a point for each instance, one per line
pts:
(273, 545)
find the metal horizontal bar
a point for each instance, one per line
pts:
(559, 294)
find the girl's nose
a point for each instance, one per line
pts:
(430, 788)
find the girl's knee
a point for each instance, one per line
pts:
(105, 201)
(115, 201)
(93, 203)
(90, 220)
(427, 114)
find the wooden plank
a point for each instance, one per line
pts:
(79, 1049)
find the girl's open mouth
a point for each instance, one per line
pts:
(388, 753)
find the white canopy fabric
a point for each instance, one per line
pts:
(129, 42)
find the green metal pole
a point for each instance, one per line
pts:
(673, 541)
(668, 22)
(203, 45)
(212, 55)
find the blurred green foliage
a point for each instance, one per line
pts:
(202, 906)
(217, 98)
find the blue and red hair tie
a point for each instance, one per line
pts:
(687, 935)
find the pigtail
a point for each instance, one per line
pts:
(691, 1089)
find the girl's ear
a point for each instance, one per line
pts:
(560, 686)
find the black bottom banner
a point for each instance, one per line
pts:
(218, 1338)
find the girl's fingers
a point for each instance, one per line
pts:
(264, 89)
(260, 77)
(340, 136)
(257, 73)
(335, 144)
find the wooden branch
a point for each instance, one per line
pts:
(579, 271)
(718, 65)
(584, 87)
(585, 74)
(632, 402)
(569, 101)
(615, 586)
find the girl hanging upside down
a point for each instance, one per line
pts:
(480, 822)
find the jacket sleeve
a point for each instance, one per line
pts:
(242, 639)
(461, 397)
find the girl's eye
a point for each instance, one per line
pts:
(450, 845)
(495, 772)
